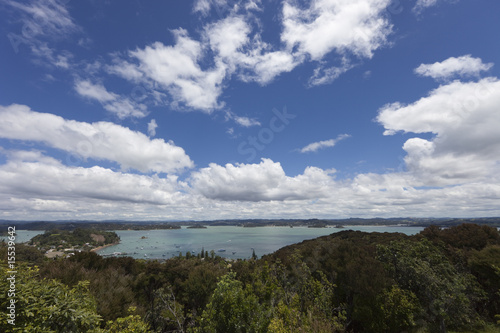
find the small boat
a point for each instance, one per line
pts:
(221, 250)
(234, 252)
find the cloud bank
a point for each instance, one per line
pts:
(100, 141)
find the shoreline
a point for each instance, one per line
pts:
(103, 247)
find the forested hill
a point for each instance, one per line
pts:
(390, 282)
(437, 281)
(76, 238)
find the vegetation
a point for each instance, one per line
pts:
(153, 225)
(70, 226)
(439, 280)
(76, 238)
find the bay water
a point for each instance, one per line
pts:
(227, 241)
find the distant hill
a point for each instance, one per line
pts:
(153, 225)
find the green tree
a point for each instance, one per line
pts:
(446, 295)
(307, 300)
(232, 309)
(130, 324)
(485, 265)
(46, 305)
(398, 308)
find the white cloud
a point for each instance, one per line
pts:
(123, 107)
(177, 70)
(345, 26)
(234, 46)
(251, 58)
(315, 146)
(45, 17)
(259, 182)
(100, 141)
(464, 66)
(201, 6)
(125, 70)
(242, 121)
(464, 118)
(423, 4)
(246, 122)
(43, 22)
(233, 191)
(328, 75)
(204, 6)
(52, 181)
(94, 91)
(152, 127)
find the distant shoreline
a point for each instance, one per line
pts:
(248, 223)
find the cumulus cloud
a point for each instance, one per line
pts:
(315, 146)
(259, 182)
(358, 27)
(253, 59)
(54, 187)
(464, 118)
(232, 191)
(234, 47)
(464, 66)
(176, 69)
(121, 106)
(101, 140)
(236, 50)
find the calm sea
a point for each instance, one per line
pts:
(227, 241)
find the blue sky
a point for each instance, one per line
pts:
(215, 109)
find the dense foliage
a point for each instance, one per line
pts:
(77, 237)
(438, 280)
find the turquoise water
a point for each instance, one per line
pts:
(23, 236)
(237, 242)
(163, 244)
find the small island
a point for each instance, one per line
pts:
(197, 226)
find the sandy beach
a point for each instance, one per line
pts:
(102, 247)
